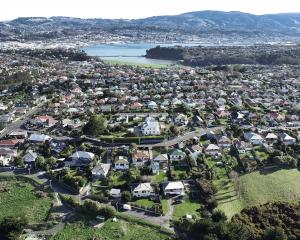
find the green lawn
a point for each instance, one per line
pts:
(118, 178)
(121, 230)
(136, 64)
(165, 205)
(21, 198)
(144, 202)
(179, 173)
(187, 207)
(159, 177)
(257, 188)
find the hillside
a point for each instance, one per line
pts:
(198, 23)
(223, 55)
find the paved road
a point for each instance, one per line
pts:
(17, 123)
(182, 138)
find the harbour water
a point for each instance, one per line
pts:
(127, 52)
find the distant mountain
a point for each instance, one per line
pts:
(229, 21)
(194, 22)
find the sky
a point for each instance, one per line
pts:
(131, 9)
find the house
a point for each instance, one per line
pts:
(140, 158)
(173, 188)
(271, 138)
(30, 157)
(176, 155)
(57, 146)
(224, 142)
(106, 108)
(253, 138)
(18, 134)
(181, 120)
(142, 190)
(82, 158)
(155, 167)
(195, 151)
(43, 121)
(7, 118)
(287, 139)
(121, 163)
(198, 121)
(6, 155)
(212, 150)
(100, 171)
(115, 193)
(10, 143)
(38, 138)
(152, 105)
(162, 160)
(136, 105)
(243, 147)
(150, 127)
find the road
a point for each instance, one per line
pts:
(17, 123)
(182, 138)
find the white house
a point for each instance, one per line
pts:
(30, 157)
(173, 188)
(162, 160)
(6, 155)
(271, 138)
(254, 138)
(224, 142)
(39, 138)
(176, 155)
(195, 151)
(287, 139)
(212, 150)
(181, 120)
(141, 157)
(152, 105)
(142, 190)
(150, 127)
(83, 156)
(101, 170)
(121, 163)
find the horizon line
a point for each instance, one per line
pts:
(220, 11)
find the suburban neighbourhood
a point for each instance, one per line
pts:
(159, 144)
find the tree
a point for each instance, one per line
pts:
(96, 125)
(51, 162)
(174, 130)
(11, 227)
(107, 211)
(126, 196)
(276, 233)
(218, 216)
(18, 161)
(40, 162)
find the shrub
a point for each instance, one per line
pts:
(126, 196)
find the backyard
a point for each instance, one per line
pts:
(186, 207)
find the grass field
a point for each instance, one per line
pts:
(21, 199)
(159, 178)
(121, 230)
(187, 207)
(144, 202)
(257, 188)
(135, 64)
(118, 179)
